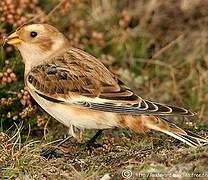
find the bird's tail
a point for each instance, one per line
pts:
(171, 129)
(162, 125)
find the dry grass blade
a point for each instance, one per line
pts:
(159, 48)
(168, 46)
(43, 14)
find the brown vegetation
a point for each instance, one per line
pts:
(159, 48)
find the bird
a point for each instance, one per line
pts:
(76, 89)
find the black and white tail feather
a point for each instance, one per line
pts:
(187, 137)
(192, 139)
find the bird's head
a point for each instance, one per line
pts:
(37, 41)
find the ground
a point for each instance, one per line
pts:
(141, 155)
(158, 48)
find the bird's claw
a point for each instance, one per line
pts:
(91, 145)
(49, 153)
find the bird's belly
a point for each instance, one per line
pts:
(84, 118)
(80, 117)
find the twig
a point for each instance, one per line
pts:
(2, 58)
(155, 62)
(55, 8)
(28, 134)
(45, 128)
(157, 54)
(49, 13)
(18, 140)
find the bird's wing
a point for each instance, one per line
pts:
(78, 78)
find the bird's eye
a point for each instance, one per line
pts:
(33, 34)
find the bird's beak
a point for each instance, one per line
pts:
(13, 39)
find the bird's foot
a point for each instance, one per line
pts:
(49, 153)
(52, 151)
(90, 145)
(94, 145)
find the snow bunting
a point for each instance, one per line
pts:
(80, 92)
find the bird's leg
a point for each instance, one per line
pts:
(76, 133)
(92, 141)
(51, 152)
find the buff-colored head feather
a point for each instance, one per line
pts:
(47, 42)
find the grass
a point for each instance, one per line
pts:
(136, 153)
(158, 49)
